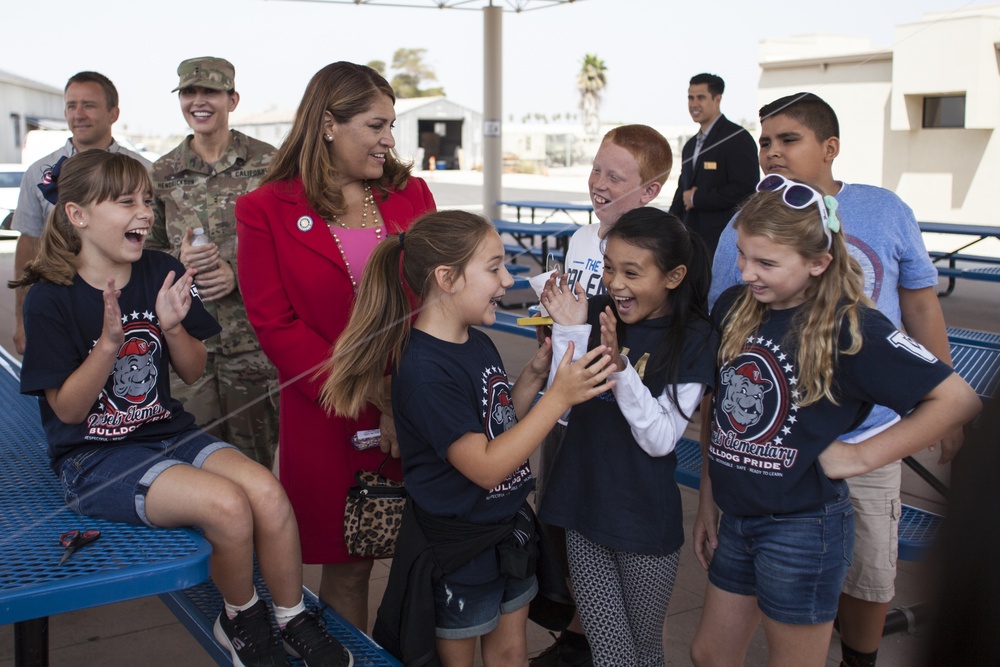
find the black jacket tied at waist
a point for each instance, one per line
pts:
(430, 547)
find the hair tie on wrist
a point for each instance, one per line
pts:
(50, 182)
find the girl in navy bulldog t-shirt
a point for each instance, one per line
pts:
(464, 565)
(803, 359)
(105, 320)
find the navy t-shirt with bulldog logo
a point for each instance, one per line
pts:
(62, 324)
(764, 448)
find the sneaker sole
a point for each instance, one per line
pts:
(292, 652)
(220, 636)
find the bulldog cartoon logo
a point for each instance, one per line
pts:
(135, 371)
(743, 399)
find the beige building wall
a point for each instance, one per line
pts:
(945, 175)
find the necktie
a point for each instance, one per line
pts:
(697, 148)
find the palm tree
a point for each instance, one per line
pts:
(591, 82)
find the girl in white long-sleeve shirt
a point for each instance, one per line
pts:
(612, 484)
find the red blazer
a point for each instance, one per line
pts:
(298, 296)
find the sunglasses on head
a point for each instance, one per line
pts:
(800, 196)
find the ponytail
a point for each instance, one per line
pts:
(380, 320)
(377, 331)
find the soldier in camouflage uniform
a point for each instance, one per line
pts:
(196, 185)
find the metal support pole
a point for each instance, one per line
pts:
(492, 109)
(31, 643)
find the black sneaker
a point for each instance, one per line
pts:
(306, 637)
(569, 650)
(249, 638)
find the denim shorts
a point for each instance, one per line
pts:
(462, 611)
(111, 481)
(794, 564)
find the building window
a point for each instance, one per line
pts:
(944, 111)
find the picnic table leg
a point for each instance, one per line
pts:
(906, 619)
(31, 643)
(926, 475)
(951, 280)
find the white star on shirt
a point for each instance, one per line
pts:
(760, 340)
(793, 381)
(124, 319)
(148, 315)
(134, 315)
(786, 430)
(789, 368)
(779, 440)
(782, 356)
(792, 419)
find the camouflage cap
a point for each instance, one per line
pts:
(207, 72)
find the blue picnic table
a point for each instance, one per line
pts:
(534, 239)
(553, 206)
(127, 562)
(975, 267)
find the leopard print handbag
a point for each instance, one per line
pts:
(372, 515)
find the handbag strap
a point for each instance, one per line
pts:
(382, 465)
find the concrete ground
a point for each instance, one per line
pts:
(145, 632)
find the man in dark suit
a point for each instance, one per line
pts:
(719, 167)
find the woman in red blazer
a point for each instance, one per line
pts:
(335, 189)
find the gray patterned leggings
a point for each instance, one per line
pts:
(622, 598)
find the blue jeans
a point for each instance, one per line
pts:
(472, 610)
(795, 564)
(110, 481)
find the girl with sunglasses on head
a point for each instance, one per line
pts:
(803, 358)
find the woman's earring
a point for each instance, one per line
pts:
(329, 138)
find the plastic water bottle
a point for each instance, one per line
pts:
(200, 237)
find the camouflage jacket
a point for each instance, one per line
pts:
(189, 192)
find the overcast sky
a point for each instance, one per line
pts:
(651, 48)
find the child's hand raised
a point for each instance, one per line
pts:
(112, 331)
(542, 361)
(580, 380)
(565, 305)
(174, 300)
(609, 336)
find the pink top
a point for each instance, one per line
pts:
(357, 246)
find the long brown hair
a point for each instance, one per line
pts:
(835, 295)
(345, 90)
(380, 320)
(90, 177)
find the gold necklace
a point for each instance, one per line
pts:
(369, 200)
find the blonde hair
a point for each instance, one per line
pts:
(835, 295)
(90, 177)
(380, 319)
(345, 90)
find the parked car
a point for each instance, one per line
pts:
(10, 185)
